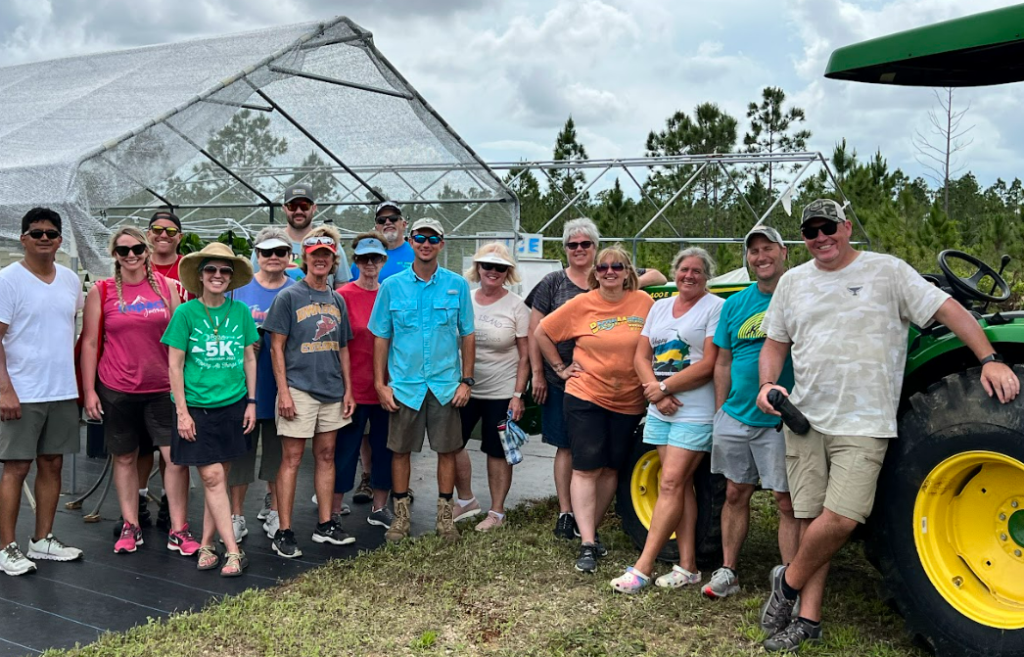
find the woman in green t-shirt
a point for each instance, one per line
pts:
(213, 382)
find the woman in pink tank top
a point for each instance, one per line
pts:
(126, 383)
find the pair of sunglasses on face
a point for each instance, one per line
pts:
(811, 232)
(210, 270)
(160, 230)
(37, 233)
(420, 239)
(123, 251)
(490, 266)
(280, 252)
(393, 218)
(572, 246)
(370, 259)
(298, 205)
(614, 266)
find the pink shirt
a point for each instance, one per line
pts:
(360, 348)
(134, 360)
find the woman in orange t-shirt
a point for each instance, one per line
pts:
(604, 401)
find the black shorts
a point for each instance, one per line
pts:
(598, 438)
(219, 436)
(135, 421)
(493, 412)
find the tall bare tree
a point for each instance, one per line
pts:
(945, 137)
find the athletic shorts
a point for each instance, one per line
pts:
(598, 438)
(745, 455)
(311, 416)
(439, 422)
(684, 435)
(135, 421)
(45, 428)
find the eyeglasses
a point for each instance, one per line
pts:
(393, 218)
(160, 230)
(37, 233)
(614, 266)
(433, 239)
(373, 259)
(280, 252)
(123, 251)
(490, 266)
(319, 240)
(811, 232)
(572, 246)
(301, 204)
(210, 270)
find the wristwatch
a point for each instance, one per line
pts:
(517, 395)
(469, 381)
(994, 357)
(663, 387)
(250, 400)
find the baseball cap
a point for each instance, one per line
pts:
(428, 224)
(311, 244)
(766, 231)
(165, 214)
(823, 208)
(272, 243)
(495, 259)
(299, 191)
(369, 245)
(388, 204)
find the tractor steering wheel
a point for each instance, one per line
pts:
(969, 286)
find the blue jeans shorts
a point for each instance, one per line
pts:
(684, 435)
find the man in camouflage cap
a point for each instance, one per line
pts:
(844, 317)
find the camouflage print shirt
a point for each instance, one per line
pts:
(848, 330)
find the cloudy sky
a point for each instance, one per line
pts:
(506, 74)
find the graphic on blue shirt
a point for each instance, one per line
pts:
(259, 298)
(670, 357)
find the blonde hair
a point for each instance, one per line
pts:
(322, 231)
(617, 254)
(497, 248)
(138, 235)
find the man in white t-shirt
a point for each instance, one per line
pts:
(39, 300)
(845, 316)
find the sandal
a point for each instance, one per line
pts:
(208, 558)
(234, 564)
(632, 581)
(677, 578)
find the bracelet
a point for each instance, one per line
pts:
(766, 383)
(517, 395)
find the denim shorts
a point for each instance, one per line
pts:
(684, 435)
(552, 417)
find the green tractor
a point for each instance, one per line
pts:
(947, 532)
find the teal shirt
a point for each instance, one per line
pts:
(424, 321)
(739, 330)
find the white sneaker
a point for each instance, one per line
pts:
(13, 562)
(52, 549)
(271, 524)
(265, 511)
(238, 524)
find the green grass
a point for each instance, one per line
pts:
(511, 592)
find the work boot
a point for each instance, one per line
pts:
(446, 520)
(403, 522)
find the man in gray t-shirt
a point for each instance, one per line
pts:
(844, 316)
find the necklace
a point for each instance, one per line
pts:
(216, 325)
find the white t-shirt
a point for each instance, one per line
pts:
(497, 357)
(849, 330)
(40, 339)
(678, 342)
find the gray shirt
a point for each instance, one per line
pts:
(316, 324)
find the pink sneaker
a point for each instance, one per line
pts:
(131, 538)
(182, 542)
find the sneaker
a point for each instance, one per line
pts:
(402, 522)
(13, 562)
(630, 582)
(285, 544)
(722, 584)
(344, 511)
(382, 517)
(462, 512)
(51, 548)
(587, 561)
(565, 526)
(182, 542)
(363, 494)
(777, 610)
(145, 517)
(677, 578)
(163, 516)
(265, 511)
(796, 634)
(238, 525)
(272, 524)
(602, 551)
(446, 519)
(492, 521)
(131, 538)
(331, 532)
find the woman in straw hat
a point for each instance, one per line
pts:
(213, 381)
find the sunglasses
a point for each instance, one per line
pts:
(371, 259)
(160, 230)
(210, 270)
(572, 246)
(614, 266)
(490, 266)
(811, 232)
(123, 251)
(393, 218)
(420, 239)
(37, 233)
(298, 205)
(319, 240)
(280, 252)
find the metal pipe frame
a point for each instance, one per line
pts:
(342, 83)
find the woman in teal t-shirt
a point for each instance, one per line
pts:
(213, 382)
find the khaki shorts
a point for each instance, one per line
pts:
(45, 428)
(441, 423)
(311, 417)
(838, 473)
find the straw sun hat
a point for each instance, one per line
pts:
(188, 268)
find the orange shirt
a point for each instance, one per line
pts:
(606, 335)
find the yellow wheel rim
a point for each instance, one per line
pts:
(644, 485)
(969, 533)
